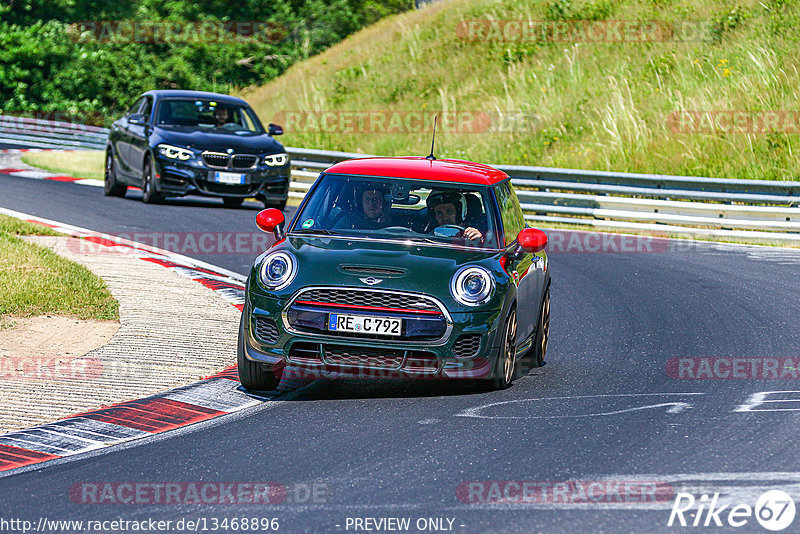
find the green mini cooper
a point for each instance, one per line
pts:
(399, 268)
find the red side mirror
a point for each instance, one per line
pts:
(532, 240)
(269, 220)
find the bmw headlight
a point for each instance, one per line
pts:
(278, 270)
(472, 286)
(276, 160)
(175, 152)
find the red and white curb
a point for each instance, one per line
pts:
(43, 175)
(212, 397)
(36, 174)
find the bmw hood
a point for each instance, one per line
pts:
(245, 142)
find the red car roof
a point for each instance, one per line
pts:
(440, 170)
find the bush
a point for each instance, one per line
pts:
(50, 60)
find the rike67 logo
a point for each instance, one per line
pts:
(774, 510)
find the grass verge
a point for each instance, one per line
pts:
(76, 163)
(36, 281)
(569, 102)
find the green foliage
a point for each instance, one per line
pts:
(728, 21)
(65, 56)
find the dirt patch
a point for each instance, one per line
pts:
(46, 346)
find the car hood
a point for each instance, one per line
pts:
(399, 266)
(248, 143)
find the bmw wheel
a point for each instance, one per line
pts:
(112, 188)
(149, 193)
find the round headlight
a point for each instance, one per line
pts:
(472, 286)
(278, 270)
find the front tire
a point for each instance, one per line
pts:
(539, 350)
(506, 359)
(150, 195)
(111, 187)
(251, 374)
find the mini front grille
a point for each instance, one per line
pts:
(467, 346)
(243, 161)
(266, 330)
(363, 357)
(214, 159)
(376, 299)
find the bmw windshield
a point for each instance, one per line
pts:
(208, 114)
(399, 209)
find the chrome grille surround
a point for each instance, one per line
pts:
(243, 161)
(376, 298)
(218, 160)
(365, 294)
(221, 160)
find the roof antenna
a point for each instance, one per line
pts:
(431, 157)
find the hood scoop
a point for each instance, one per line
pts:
(370, 270)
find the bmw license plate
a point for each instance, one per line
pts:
(383, 326)
(229, 178)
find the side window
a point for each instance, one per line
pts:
(135, 107)
(517, 209)
(510, 212)
(147, 108)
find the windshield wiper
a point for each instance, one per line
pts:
(321, 231)
(426, 240)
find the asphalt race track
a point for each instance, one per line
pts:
(607, 408)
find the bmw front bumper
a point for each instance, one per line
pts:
(192, 177)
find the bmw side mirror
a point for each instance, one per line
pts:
(275, 129)
(532, 240)
(136, 118)
(270, 221)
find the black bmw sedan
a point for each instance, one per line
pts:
(176, 143)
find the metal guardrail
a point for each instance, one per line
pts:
(39, 133)
(756, 210)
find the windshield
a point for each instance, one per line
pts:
(399, 209)
(207, 114)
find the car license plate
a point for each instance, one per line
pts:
(230, 178)
(383, 326)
